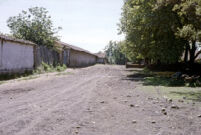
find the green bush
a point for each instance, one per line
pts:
(60, 68)
(50, 68)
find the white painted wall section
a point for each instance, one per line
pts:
(16, 56)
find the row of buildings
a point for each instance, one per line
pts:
(18, 55)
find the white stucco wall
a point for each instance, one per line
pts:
(15, 56)
(81, 59)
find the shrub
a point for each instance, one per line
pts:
(50, 68)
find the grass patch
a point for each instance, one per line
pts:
(29, 77)
(175, 93)
(154, 78)
(163, 81)
(161, 84)
(2, 82)
(189, 95)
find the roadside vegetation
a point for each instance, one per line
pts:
(168, 79)
(163, 36)
(114, 53)
(162, 31)
(44, 68)
(165, 85)
(34, 25)
(180, 94)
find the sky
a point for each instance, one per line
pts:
(89, 24)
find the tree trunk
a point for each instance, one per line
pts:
(192, 52)
(158, 62)
(146, 61)
(186, 52)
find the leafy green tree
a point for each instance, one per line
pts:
(34, 25)
(189, 12)
(114, 53)
(162, 30)
(129, 52)
(150, 32)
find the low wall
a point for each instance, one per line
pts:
(66, 57)
(19, 57)
(46, 55)
(81, 59)
(15, 57)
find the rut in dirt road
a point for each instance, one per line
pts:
(91, 101)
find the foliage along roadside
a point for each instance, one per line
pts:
(44, 68)
(114, 53)
(34, 25)
(161, 31)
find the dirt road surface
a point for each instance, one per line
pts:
(98, 100)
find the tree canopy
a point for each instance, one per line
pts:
(161, 29)
(114, 53)
(34, 25)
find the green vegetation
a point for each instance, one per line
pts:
(161, 84)
(28, 77)
(114, 53)
(154, 78)
(1, 82)
(175, 93)
(194, 95)
(34, 25)
(4, 77)
(44, 68)
(50, 68)
(163, 81)
(161, 31)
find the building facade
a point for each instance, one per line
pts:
(76, 57)
(16, 55)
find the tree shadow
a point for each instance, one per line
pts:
(136, 77)
(191, 95)
(163, 81)
(5, 77)
(133, 70)
(151, 79)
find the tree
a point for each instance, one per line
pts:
(129, 52)
(162, 30)
(34, 25)
(114, 53)
(149, 31)
(189, 13)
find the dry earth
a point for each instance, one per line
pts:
(98, 100)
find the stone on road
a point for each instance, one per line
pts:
(89, 101)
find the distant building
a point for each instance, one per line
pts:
(76, 57)
(101, 57)
(18, 56)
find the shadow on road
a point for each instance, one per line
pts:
(152, 79)
(136, 77)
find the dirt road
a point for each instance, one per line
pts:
(97, 100)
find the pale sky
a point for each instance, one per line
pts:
(89, 24)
